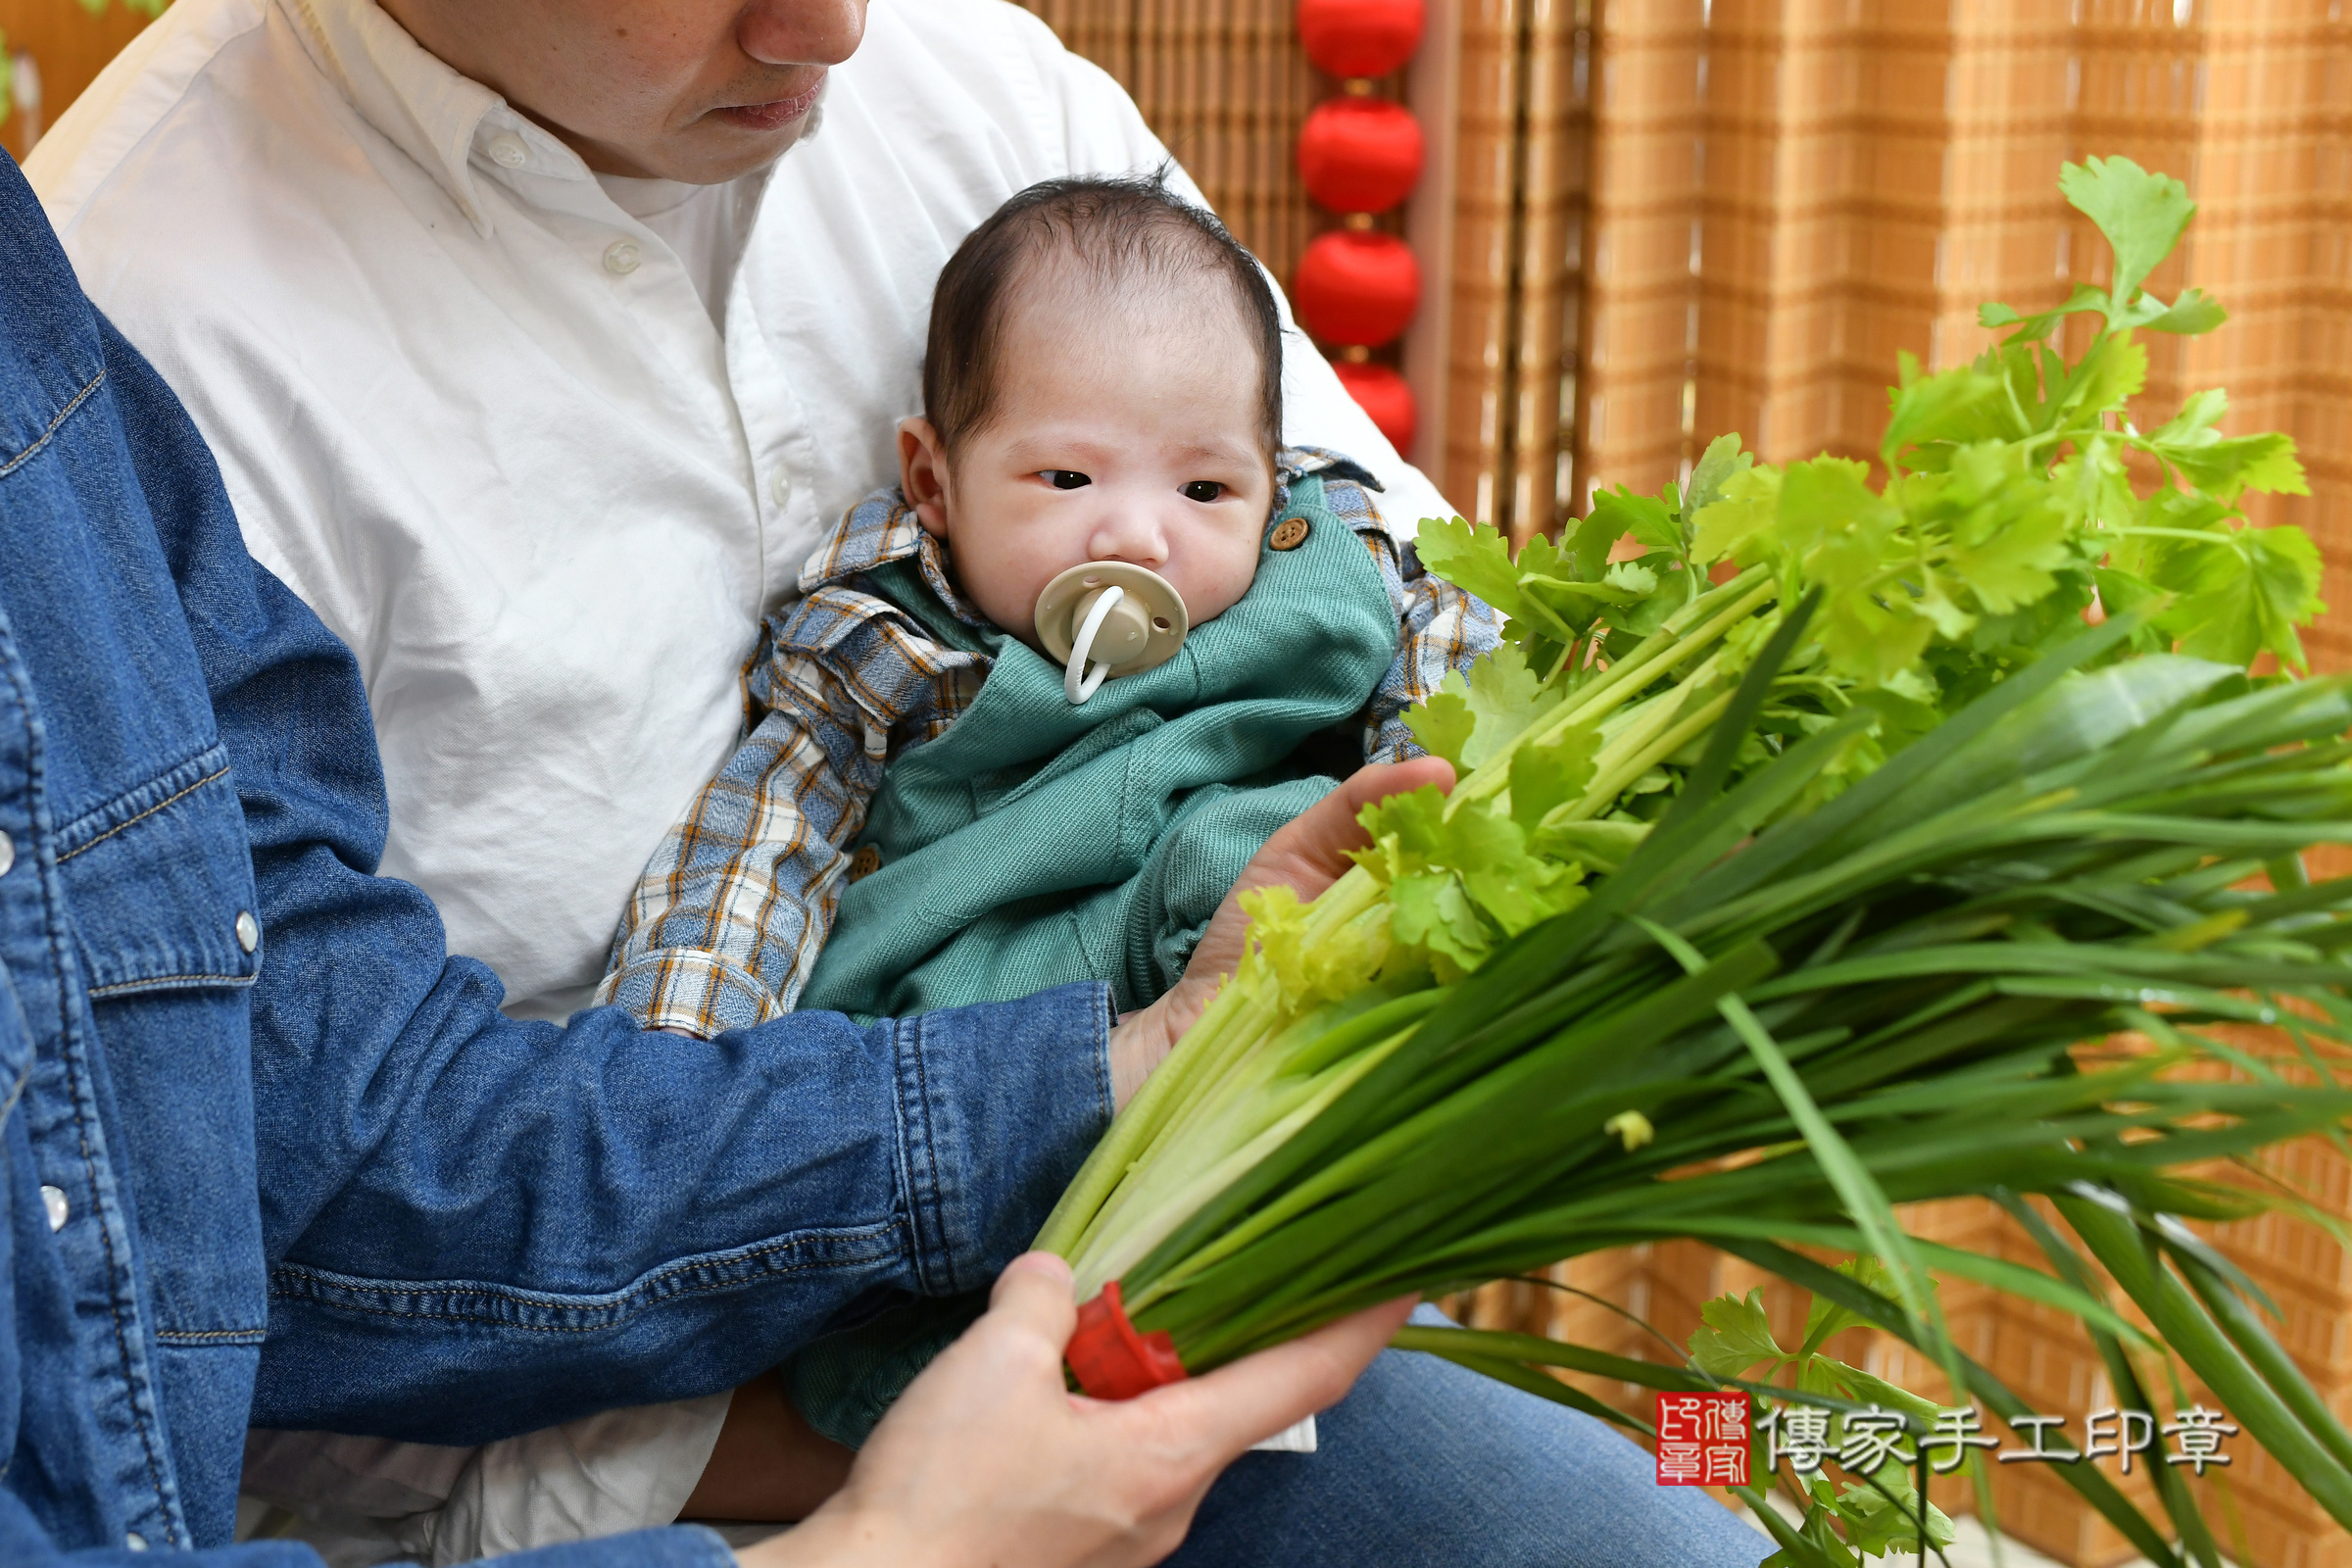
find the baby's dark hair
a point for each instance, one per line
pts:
(1112, 227)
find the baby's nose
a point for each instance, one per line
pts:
(1130, 534)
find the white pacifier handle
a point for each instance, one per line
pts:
(1073, 687)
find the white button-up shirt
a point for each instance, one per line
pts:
(480, 420)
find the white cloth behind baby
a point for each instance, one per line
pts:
(366, 1500)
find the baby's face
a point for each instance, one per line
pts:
(1124, 429)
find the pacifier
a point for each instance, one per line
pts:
(1117, 618)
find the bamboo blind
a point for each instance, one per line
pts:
(1225, 86)
(1788, 192)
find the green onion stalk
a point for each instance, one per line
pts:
(1768, 1046)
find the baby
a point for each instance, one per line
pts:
(1044, 699)
(938, 805)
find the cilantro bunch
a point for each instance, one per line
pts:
(2011, 497)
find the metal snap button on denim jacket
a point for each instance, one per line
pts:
(266, 1153)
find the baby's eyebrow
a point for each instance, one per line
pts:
(1056, 452)
(1221, 451)
(1038, 453)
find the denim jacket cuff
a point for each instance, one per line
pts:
(999, 1106)
(670, 1547)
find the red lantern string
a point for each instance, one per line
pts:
(1357, 155)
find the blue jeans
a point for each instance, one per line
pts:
(1426, 1465)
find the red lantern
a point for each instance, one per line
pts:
(1360, 38)
(1356, 287)
(1383, 394)
(1359, 155)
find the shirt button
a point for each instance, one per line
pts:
(135, 1542)
(1290, 533)
(779, 490)
(249, 930)
(8, 852)
(622, 256)
(53, 1198)
(509, 152)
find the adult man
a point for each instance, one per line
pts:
(181, 746)
(533, 350)
(545, 465)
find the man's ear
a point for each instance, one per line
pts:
(924, 474)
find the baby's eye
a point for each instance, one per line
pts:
(1204, 490)
(1064, 479)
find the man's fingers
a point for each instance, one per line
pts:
(1259, 1395)
(1033, 1295)
(1379, 780)
(1326, 831)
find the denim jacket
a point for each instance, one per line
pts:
(268, 1154)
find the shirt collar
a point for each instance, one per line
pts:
(880, 530)
(445, 121)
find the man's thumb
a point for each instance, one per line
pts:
(1034, 1292)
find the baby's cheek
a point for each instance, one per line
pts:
(1003, 581)
(1227, 577)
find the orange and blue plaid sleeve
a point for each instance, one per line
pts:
(1443, 628)
(724, 927)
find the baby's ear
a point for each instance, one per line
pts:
(924, 474)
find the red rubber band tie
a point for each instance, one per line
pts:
(1111, 1359)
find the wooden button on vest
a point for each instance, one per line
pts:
(865, 863)
(1290, 533)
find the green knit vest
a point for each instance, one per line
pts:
(1036, 843)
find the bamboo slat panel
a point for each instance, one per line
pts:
(1856, 177)
(1512, 277)
(1225, 86)
(1648, 167)
(1477, 434)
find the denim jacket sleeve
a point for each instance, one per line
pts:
(478, 1226)
(24, 1544)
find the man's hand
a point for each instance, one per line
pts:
(1310, 853)
(988, 1460)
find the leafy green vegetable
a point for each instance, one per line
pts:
(1737, 1334)
(1803, 827)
